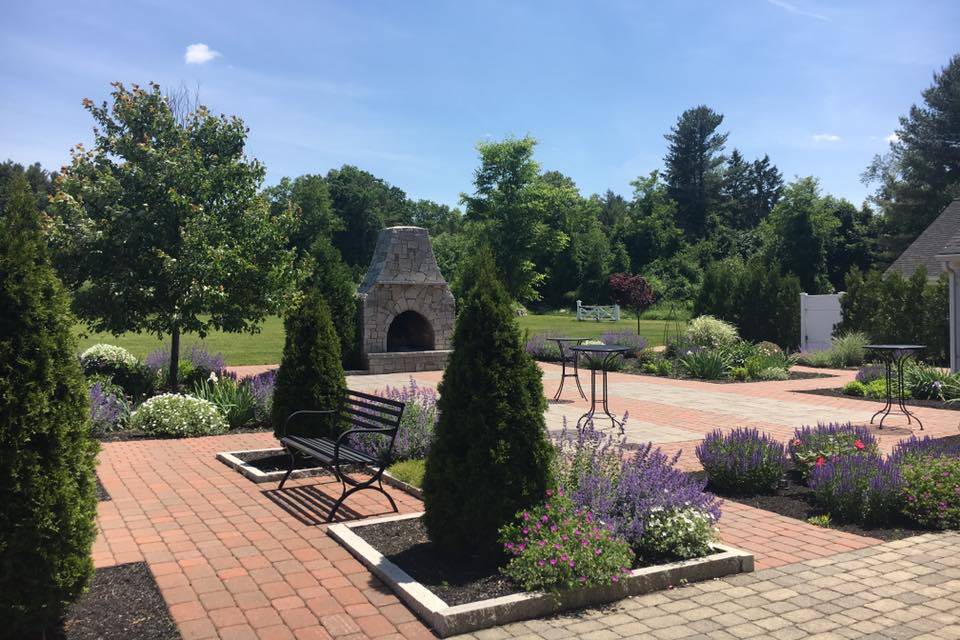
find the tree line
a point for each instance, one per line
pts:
(164, 225)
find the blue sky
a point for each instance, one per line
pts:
(407, 89)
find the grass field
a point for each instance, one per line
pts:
(266, 347)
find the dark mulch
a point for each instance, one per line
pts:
(795, 500)
(123, 602)
(268, 461)
(128, 435)
(102, 495)
(910, 402)
(454, 580)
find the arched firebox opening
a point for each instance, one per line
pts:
(410, 331)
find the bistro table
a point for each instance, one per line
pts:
(564, 358)
(894, 355)
(599, 356)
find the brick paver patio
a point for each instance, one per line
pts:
(238, 560)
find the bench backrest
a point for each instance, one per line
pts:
(365, 411)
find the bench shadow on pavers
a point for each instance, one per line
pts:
(366, 416)
(309, 504)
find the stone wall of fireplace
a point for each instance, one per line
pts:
(406, 307)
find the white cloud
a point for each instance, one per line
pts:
(794, 9)
(892, 138)
(199, 54)
(826, 137)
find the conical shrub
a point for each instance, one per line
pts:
(310, 374)
(47, 459)
(491, 457)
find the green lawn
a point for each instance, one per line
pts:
(266, 347)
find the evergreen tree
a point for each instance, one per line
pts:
(921, 173)
(333, 279)
(693, 167)
(47, 459)
(766, 186)
(491, 457)
(310, 374)
(736, 191)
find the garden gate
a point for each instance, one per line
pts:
(597, 312)
(819, 314)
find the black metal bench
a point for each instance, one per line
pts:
(365, 414)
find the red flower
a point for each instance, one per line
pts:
(796, 442)
(821, 461)
(859, 445)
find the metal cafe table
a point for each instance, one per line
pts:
(894, 355)
(564, 359)
(599, 357)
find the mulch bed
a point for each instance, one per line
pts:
(910, 402)
(269, 461)
(128, 435)
(455, 580)
(123, 602)
(796, 500)
(102, 494)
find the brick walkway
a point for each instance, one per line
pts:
(904, 589)
(239, 560)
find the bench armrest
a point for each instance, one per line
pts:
(303, 412)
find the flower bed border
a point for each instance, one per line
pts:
(256, 475)
(448, 620)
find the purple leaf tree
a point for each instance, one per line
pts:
(632, 291)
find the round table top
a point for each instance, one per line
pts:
(566, 339)
(600, 348)
(895, 347)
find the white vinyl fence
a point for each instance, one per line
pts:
(597, 312)
(819, 314)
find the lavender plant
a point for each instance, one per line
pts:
(109, 410)
(540, 347)
(587, 464)
(627, 339)
(859, 488)
(417, 425)
(261, 388)
(914, 448)
(870, 372)
(742, 461)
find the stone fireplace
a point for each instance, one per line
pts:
(406, 308)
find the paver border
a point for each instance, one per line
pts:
(230, 459)
(448, 620)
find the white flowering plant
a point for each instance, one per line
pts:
(682, 533)
(177, 415)
(101, 357)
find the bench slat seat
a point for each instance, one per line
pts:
(362, 413)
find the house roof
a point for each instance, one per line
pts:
(940, 239)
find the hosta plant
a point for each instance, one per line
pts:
(814, 446)
(742, 461)
(558, 546)
(177, 415)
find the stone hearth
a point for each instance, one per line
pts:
(406, 307)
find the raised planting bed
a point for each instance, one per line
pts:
(794, 375)
(269, 465)
(454, 597)
(910, 402)
(121, 603)
(794, 499)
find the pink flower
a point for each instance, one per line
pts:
(615, 578)
(859, 445)
(526, 516)
(796, 442)
(544, 518)
(821, 461)
(540, 563)
(553, 561)
(549, 492)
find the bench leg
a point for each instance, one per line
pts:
(351, 490)
(293, 462)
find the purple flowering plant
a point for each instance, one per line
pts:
(813, 447)
(858, 488)
(198, 357)
(559, 546)
(261, 388)
(870, 372)
(109, 410)
(742, 461)
(540, 347)
(417, 425)
(627, 339)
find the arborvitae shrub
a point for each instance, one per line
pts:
(47, 458)
(334, 281)
(490, 457)
(310, 374)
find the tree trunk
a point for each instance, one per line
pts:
(174, 358)
(638, 320)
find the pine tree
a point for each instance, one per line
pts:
(310, 374)
(47, 459)
(491, 456)
(693, 166)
